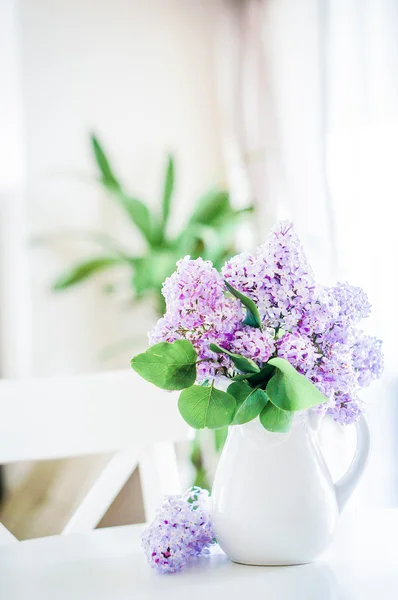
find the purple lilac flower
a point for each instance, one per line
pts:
(181, 531)
(367, 358)
(344, 409)
(278, 278)
(198, 311)
(334, 373)
(311, 326)
(299, 351)
(353, 303)
(253, 343)
(319, 316)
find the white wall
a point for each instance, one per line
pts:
(14, 292)
(140, 73)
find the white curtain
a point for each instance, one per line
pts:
(272, 86)
(362, 150)
(309, 97)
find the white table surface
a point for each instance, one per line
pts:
(109, 564)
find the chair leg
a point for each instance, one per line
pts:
(103, 492)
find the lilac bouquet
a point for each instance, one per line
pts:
(283, 341)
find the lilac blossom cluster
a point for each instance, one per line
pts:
(198, 311)
(312, 326)
(181, 531)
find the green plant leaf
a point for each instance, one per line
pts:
(163, 265)
(106, 241)
(252, 315)
(206, 407)
(196, 458)
(107, 175)
(195, 238)
(214, 209)
(220, 437)
(289, 390)
(241, 362)
(150, 271)
(170, 366)
(250, 402)
(276, 420)
(211, 208)
(139, 215)
(142, 278)
(261, 378)
(84, 270)
(242, 211)
(242, 377)
(135, 208)
(167, 191)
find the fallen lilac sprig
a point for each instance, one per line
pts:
(181, 531)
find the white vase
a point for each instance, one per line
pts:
(273, 499)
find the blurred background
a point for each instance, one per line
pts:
(237, 113)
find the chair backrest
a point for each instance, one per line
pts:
(69, 416)
(116, 411)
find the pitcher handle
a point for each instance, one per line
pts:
(348, 482)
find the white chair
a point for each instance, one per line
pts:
(105, 412)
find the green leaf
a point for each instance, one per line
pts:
(107, 175)
(163, 265)
(150, 271)
(220, 437)
(214, 209)
(250, 402)
(242, 377)
(289, 390)
(261, 378)
(241, 362)
(142, 278)
(84, 270)
(201, 479)
(170, 366)
(276, 420)
(195, 238)
(106, 241)
(206, 407)
(139, 215)
(252, 316)
(167, 190)
(211, 208)
(135, 208)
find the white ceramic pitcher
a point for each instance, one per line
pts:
(273, 498)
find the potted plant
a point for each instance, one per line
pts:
(209, 232)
